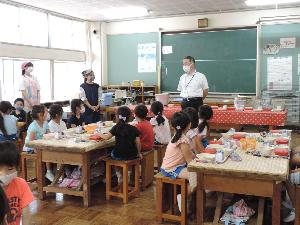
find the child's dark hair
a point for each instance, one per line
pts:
(29, 64)
(157, 108)
(123, 114)
(19, 100)
(141, 111)
(193, 115)
(179, 122)
(5, 107)
(9, 155)
(36, 110)
(55, 110)
(74, 104)
(205, 113)
(4, 207)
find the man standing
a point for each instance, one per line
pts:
(192, 85)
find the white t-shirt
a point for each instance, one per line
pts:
(10, 124)
(191, 87)
(54, 127)
(162, 132)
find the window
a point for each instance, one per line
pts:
(10, 78)
(67, 74)
(33, 27)
(9, 23)
(67, 34)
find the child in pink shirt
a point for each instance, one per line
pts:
(178, 154)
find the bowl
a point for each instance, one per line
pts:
(206, 156)
(21, 124)
(109, 123)
(266, 151)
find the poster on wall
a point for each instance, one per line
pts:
(288, 42)
(280, 71)
(147, 58)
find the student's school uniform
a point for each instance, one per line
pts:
(10, 124)
(162, 132)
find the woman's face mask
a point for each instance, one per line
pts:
(29, 69)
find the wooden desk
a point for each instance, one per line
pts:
(255, 176)
(66, 151)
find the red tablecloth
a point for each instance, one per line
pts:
(235, 117)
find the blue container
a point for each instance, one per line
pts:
(107, 99)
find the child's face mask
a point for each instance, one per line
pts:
(29, 69)
(7, 177)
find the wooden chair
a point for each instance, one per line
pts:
(127, 191)
(24, 157)
(165, 212)
(294, 193)
(160, 153)
(147, 164)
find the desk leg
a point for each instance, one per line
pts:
(40, 175)
(276, 203)
(200, 200)
(86, 179)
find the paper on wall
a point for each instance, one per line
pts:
(280, 73)
(147, 57)
(167, 50)
(288, 42)
(271, 49)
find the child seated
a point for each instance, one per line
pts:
(56, 124)
(178, 154)
(4, 208)
(145, 128)
(36, 131)
(128, 144)
(160, 124)
(78, 109)
(205, 114)
(17, 190)
(19, 110)
(8, 123)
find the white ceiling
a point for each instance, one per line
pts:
(89, 9)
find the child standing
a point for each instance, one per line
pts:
(144, 127)
(160, 124)
(56, 124)
(90, 94)
(17, 190)
(178, 154)
(128, 144)
(8, 123)
(36, 131)
(78, 109)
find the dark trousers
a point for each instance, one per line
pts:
(192, 102)
(91, 117)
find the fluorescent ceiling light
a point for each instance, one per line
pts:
(269, 2)
(124, 12)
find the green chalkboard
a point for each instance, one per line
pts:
(226, 57)
(122, 58)
(271, 34)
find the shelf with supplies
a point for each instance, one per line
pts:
(140, 92)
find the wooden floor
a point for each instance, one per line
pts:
(67, 210)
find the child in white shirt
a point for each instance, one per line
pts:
(8, 123)
(56, 125)
(160, 124)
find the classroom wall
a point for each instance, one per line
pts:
(218, 20)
